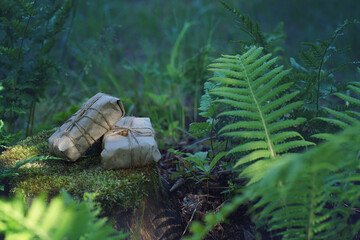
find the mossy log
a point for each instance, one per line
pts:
(132, 199)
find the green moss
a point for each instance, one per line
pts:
(113, 188)
(27, 148)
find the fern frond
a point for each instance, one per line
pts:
(344, 119)
(314, 195)
(62, 218)
(302, 196)
(248, 26)
(260, 102)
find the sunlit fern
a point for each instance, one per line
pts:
(62, 218)
(250, 86)
(312, 195)
(344, 119)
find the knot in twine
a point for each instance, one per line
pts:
(131, 132)
(142, 131)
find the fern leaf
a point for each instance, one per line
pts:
(229, 80)
(241, 113)
(260, 102)
(346, 118)
(241, 105)
(249, 146)
(255, 155)
(274, 92)
(343, 116)
(276, 126)
(246, 134)
(323, 136)
(353, 113)
(278, 102)
(229, 73)
(238, 91)
(282, 136)
(262, 90)
(243, 124)
(282, 111)
(355, 87)
(285, 147)
(356, 84)
(271, 74)
(233, 96)
(348, 98)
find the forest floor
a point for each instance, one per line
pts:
(193, 200)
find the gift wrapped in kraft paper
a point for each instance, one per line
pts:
(130, 143)
(96, 117)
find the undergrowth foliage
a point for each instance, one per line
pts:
(314, 76)
(250, 86)
(29, 30)
(62, 218)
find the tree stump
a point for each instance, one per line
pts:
(132, 199)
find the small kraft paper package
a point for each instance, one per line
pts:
(130, 143)
(96, 117)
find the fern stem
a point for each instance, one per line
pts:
(271, 148)
(319, 76)
(335, 34)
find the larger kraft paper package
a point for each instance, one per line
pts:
(130, 143)
(96, 117)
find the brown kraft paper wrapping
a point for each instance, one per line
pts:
(81, 130)
(130, 143)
